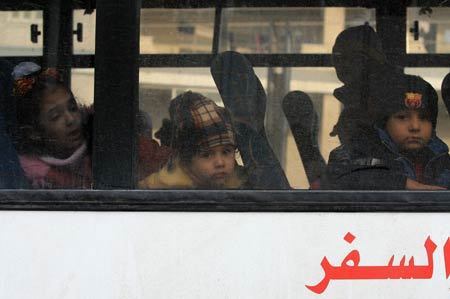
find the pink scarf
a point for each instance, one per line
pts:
(37, 168)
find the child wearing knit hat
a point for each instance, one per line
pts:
(204, 142)
(406, 154)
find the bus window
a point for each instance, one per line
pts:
(22, 33)
(287, 30)
(84, 32)
(288, 48)
(158, 86)
(176, 31)
(83, 85)
(428, 30)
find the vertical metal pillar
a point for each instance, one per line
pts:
(217, 25)
(276, 124)
(58, 36)
(116, 99)
(278, 86)
(391, 28)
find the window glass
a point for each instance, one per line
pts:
(83, 85)
(287, 30)
(16, 33)
(157, 88)
(87, 21)
(428, 30)
(174, 31)
(256, 30)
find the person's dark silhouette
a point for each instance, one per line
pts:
(357, 55)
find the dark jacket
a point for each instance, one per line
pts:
(377, 165)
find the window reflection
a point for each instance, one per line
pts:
(15, 28)
(287, 30)
(83, 85)
(433, 30)
(176, 31)
(87, 20)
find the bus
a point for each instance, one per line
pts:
(128, 58)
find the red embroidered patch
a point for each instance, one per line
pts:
(413, 100)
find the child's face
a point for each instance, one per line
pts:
(212, 167)
(409, 129)
(60, 120)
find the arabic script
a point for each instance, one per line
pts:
(350, 267)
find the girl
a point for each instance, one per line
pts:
(51, 135)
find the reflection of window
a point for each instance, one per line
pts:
(271, 30)
(24, 16)
(433, 30)
(176, 30)
(287, 30)
(15, 38)
(156, 103)
(359, 16)
(87, 45)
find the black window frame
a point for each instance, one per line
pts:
(114, 193)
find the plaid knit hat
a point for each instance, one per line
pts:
(389, 94)
(199, 122)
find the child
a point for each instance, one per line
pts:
(51, 138)
(406, 154)
(53, 133)
(204, 144)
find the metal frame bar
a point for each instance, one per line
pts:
(285, 60)
(283, 3)
(226, 201)
(217, 24)
(39, 4)
(116, 94)
(58, 36)
(257, 60)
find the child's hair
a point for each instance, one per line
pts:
(390, 94)
(198, 124)
(30, 86)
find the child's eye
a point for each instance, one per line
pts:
(54, 117)
(401, 116)
(228, 151)
(205, 154)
